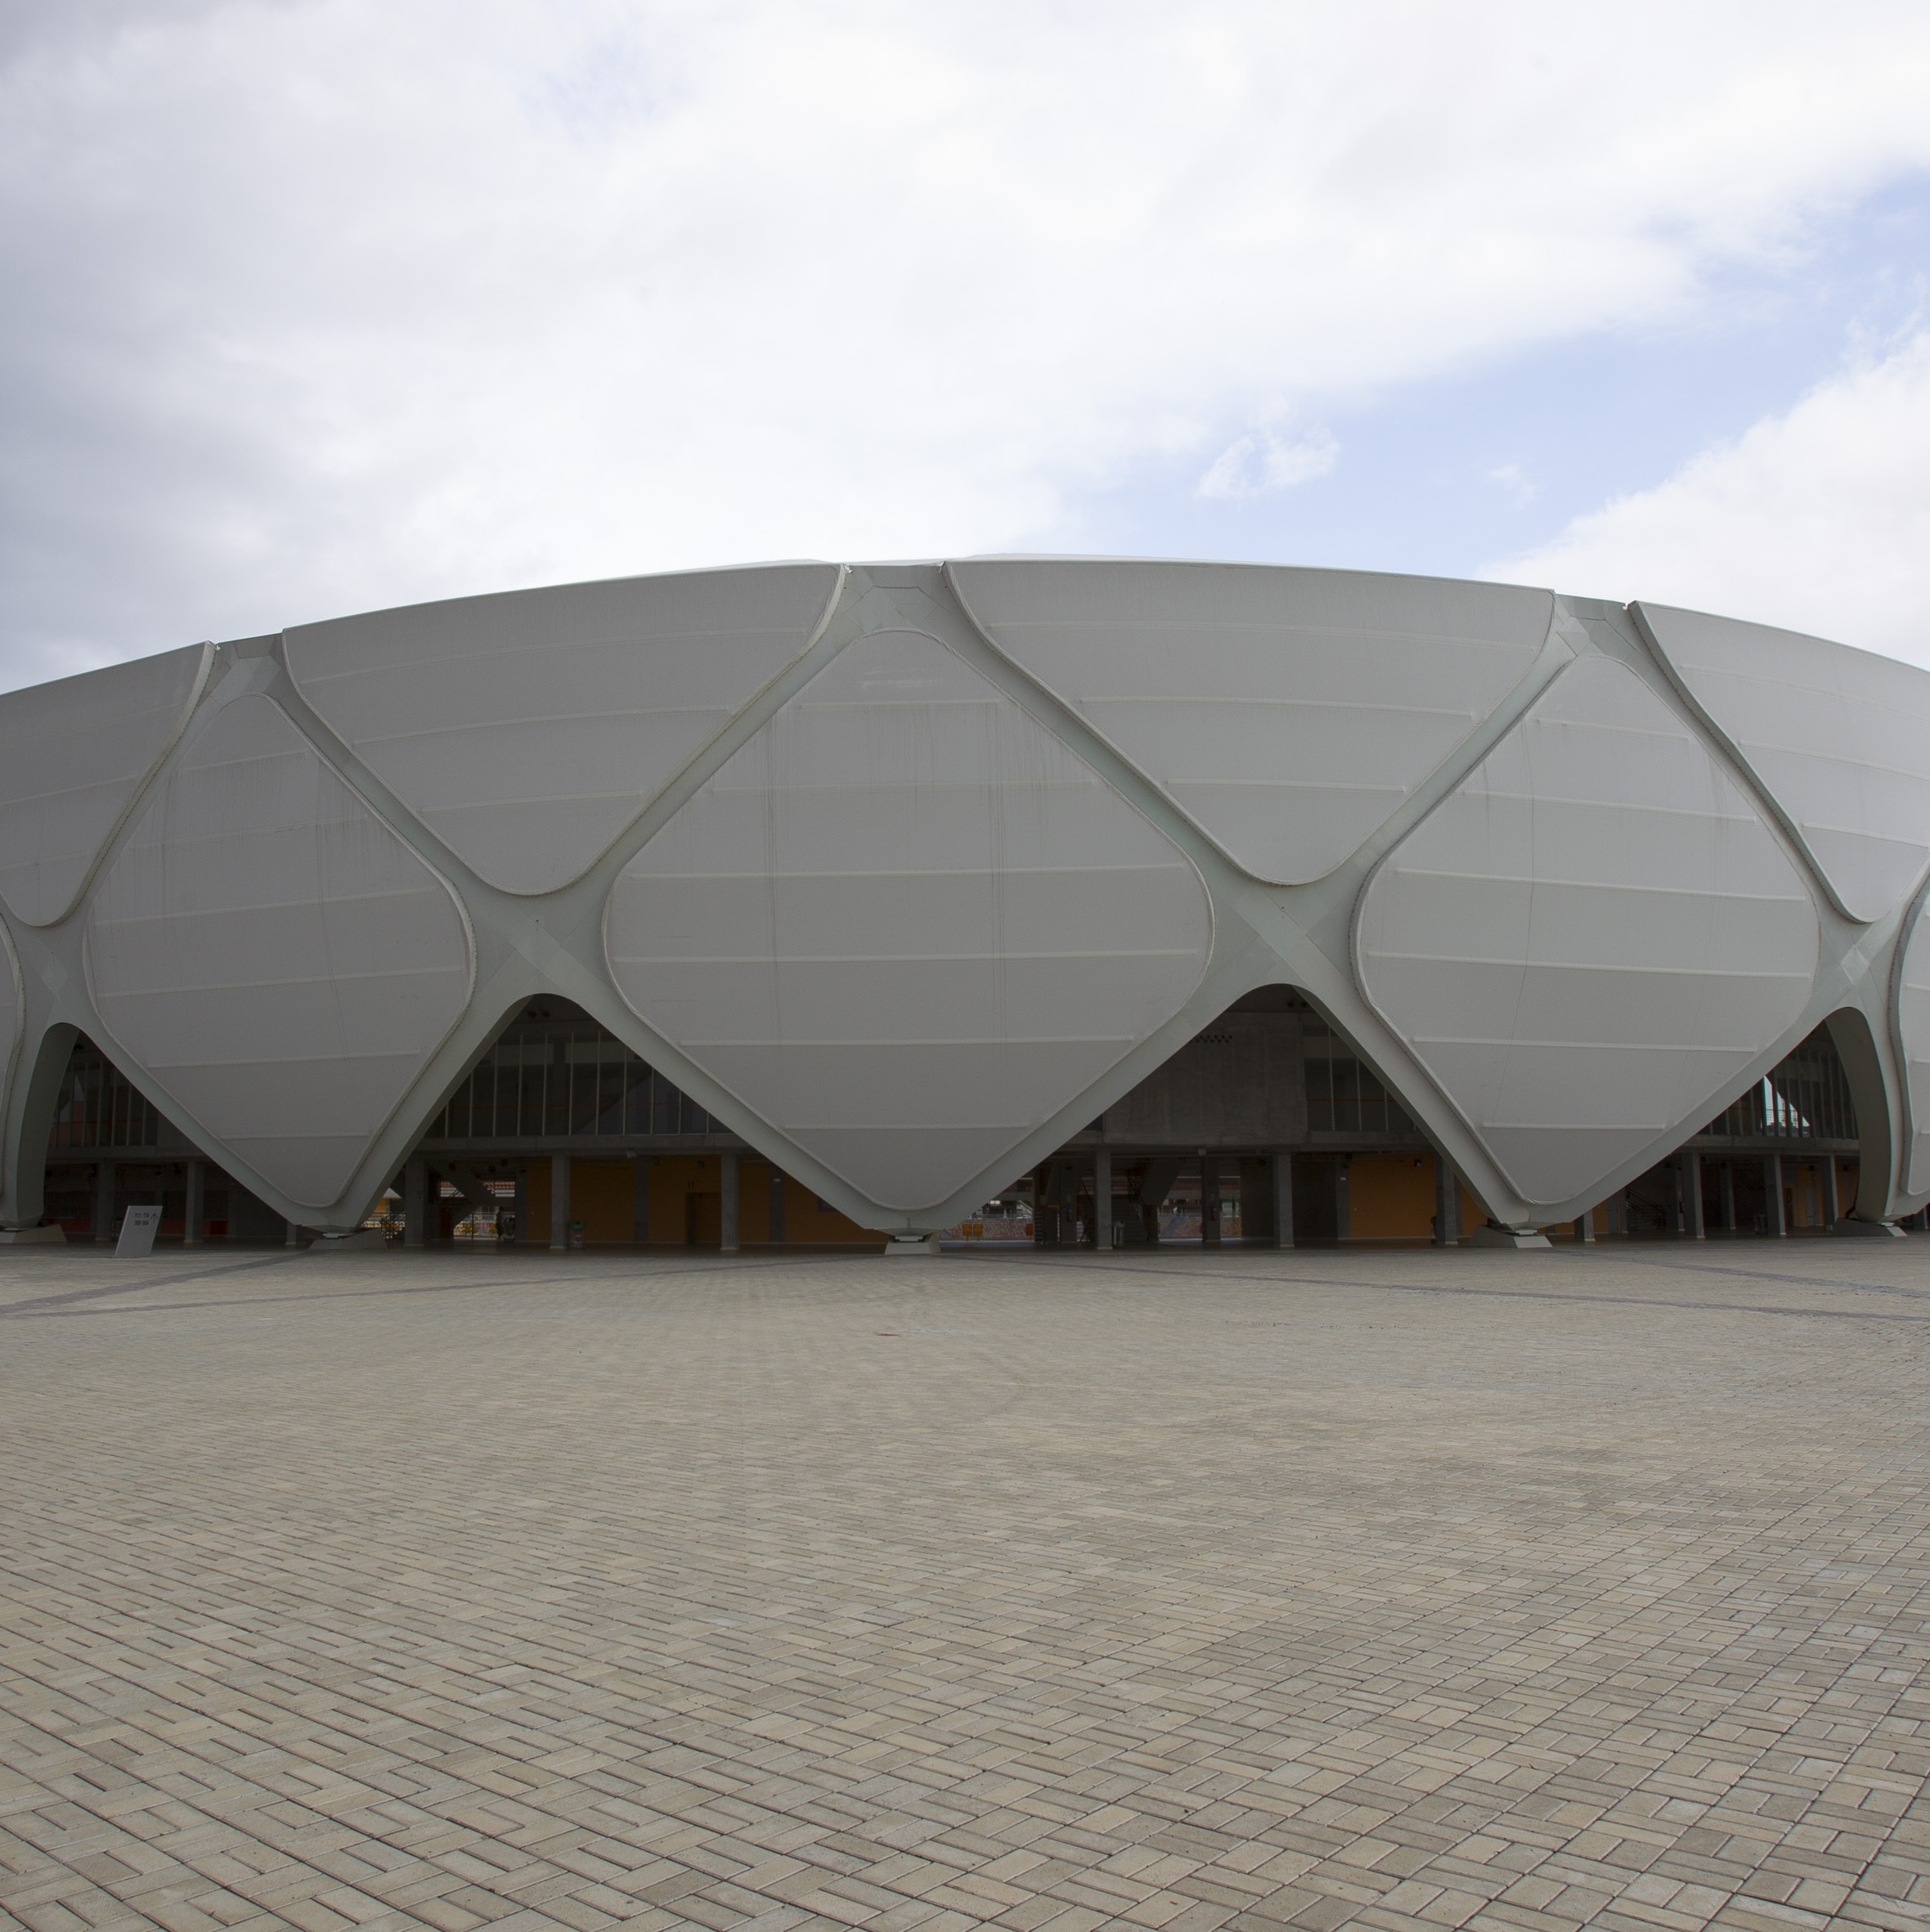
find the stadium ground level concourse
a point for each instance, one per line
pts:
(1267, 1128)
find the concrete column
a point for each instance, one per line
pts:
(1283, 1200)
(727, 1216)
(559, 1203)
(522, 1199)
(1773, 1222)
(1617, 1213)
(639, 1200)
(1728, 1197)
(415, 1202)
(1343, 1206)
(1447, 1204)
(1210, 1200)
(191, 1212)
(105, 1174)
(778, 1186)
(1585, 1224)
(293, 1235)
(1692, 1217)
(1102, 1198)
(1832, 1205)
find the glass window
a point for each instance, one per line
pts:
(555, 1073)
(99, 1106)
(1805, 1096)
(1345, 1095)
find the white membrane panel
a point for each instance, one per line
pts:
(904, 924)
(528, 730)
(1286, 712)
(13, 1013)
(1912, 1029)
(1590, 937)
(273, 956)
(73, 756)
(1839, 738)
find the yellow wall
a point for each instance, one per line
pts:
(674, 1177)
(1803, 1188)
(603, 1196)
(1805, 1179)
(600, 1199)
(806, 1221)
(1390, 1197)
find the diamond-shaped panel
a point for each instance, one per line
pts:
(1912, 1029)
(904, 924)
(1286, 712)
(528, 730)
(272, 955)
(1589, 938)
(13, 1013)
(1839, 738)
(74, 755)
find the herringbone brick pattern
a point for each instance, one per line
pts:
(1388, 1590)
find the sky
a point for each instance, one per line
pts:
(310, 306)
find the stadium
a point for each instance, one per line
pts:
(1114, 902)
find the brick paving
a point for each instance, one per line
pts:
(1393, 1589)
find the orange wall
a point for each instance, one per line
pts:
(1390, 1197)
(674, 1176)
(603, 1196)
(1805, 1179)
(806, 1221)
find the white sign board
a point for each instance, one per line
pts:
(137, 1232)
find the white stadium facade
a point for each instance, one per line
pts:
(1146, 900)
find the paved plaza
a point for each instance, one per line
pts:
(1400, 1588)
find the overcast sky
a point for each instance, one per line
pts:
(313, 308)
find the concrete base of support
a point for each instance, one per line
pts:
(912, 1244)
(1491, 1236)
(1849, 1224)
(49, 1236)
(358, 1243)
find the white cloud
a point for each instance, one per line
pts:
(1515, 481)
(1266, 460)
(315, 304)
(1818, 520)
